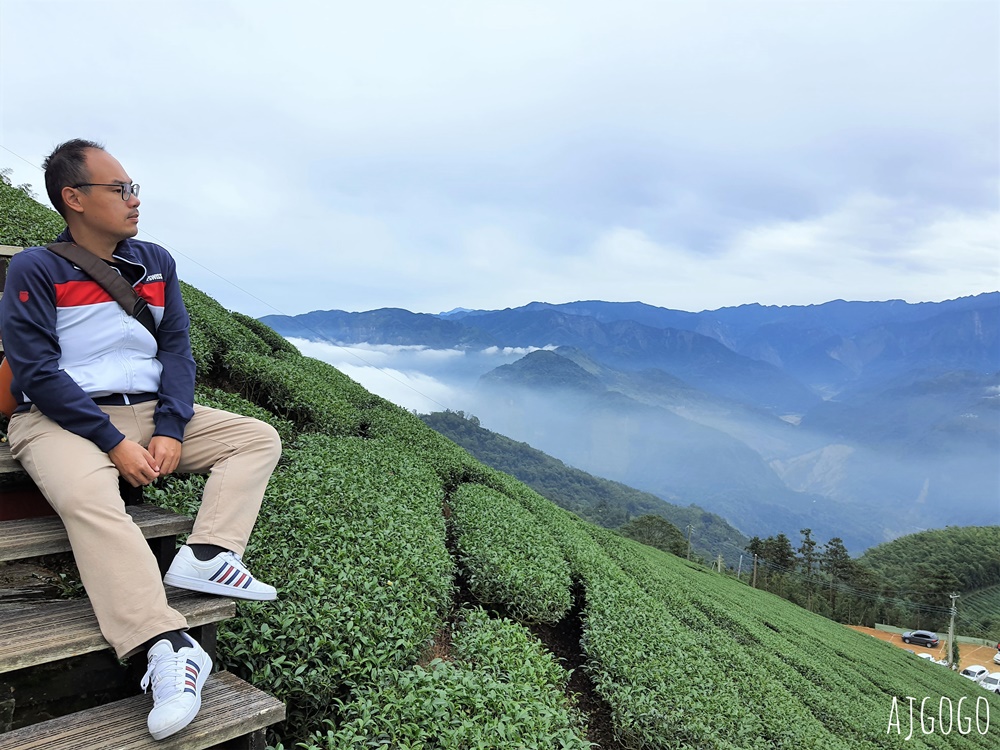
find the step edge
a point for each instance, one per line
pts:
(205, 731)
(198, 609)
(50, 535)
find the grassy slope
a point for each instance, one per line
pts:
(24, 221)
(390, 545)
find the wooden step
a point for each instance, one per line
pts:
(30, 537)
(33, 633)
(230, 708)
(21, 498)
(11, 472)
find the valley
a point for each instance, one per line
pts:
(864, 420)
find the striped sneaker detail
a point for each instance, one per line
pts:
(225, 575)
(191, 672)
(229, 575)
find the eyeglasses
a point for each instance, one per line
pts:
(127, 189)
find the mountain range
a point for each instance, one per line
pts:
(864, 420)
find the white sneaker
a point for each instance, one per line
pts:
(177, 678)
(225, 574)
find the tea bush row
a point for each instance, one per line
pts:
(502, 689)
(284, 387)
(847, 679)
(659, 634)
(23, 221)
(508, 557)
(216, 332)
(268, 371)
(810, 682)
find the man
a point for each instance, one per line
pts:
(100, 397)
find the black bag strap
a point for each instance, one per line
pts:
(111, 281)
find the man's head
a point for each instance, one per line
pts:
(67, 166)
(92, 191)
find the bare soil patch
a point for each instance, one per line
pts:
(968, 653)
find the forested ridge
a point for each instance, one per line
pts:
(970, 553)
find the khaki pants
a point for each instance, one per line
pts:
(116, 564)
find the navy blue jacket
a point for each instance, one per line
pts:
(68, 341)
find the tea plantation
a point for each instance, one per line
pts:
(414, 579)
(428, 601)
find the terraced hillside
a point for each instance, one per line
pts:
(429, 601)
(416, 583)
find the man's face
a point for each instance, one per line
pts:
(104, 212)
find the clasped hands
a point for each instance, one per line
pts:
(141, 466)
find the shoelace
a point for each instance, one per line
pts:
(171, 679)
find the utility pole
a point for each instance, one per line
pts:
(720, 562)
(740, 568)
(754, 585)
(951, 630)
(690, 529)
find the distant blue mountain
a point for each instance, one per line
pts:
(384, 326)
(876, 419)
(780, 358)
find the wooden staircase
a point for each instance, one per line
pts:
(61, 686)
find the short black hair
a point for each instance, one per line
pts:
(66, 166)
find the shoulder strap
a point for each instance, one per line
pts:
(112, 282)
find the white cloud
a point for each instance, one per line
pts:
(357, 355)
(516, 351)
(310, 155)
(868, 248)
(335, 353)
(376, 368)
(411, 390)
(414, 377)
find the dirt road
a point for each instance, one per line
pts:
(967, 652)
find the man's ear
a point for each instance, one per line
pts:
(71, 199)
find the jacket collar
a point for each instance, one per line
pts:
(123, 250)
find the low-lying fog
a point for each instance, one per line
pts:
(761, 472)
(414, 377)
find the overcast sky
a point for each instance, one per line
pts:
(297, 156)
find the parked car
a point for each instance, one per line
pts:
(975, 672)
(996, 658)
(991, 682)
(922, 638)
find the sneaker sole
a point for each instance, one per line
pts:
(209, 587)
(178, 725)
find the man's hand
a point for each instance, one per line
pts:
(166, 453)
(134, 463)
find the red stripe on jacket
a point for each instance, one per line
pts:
(82, 293)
